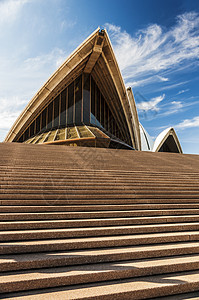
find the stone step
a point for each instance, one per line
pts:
(81, 223)
(135, 288)
(85, 175)
(96, 242)
(97, 196)
(95, 231)
(102, 164)
(184, 296)
(99, 214)
(71, 275)
(97, 201)
(96, 186)
(96, 207)
(77, 257)
(96, 179)
(142, 191)
(107, 173)
(62, 179)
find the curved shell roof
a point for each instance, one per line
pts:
(161, 138)
(146, 140)
(94, 54)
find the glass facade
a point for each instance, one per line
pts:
(80, 103)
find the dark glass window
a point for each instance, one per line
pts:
(86, 99)
(43, 115)
(92, 101)
(56, 112)
(32, 129)
(97, 102)
(26, 134)
(50, 115)
(21, 139)
(78, 100)
(70, 104)
(63, 108)
(106, 116)
(38, 123)
(110, 121)
(114, 127)
(102, 111)
(117, 131)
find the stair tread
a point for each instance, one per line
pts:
(73, 223)
(187, 234)
(138, 288)
(139, 250)
(101, 228)
(132, 265)
(152, 218)
(99, 212)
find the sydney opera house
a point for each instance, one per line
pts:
(91, 222)
(85, 103)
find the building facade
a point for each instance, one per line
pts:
(85, 103)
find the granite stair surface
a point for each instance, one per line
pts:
(95, 223)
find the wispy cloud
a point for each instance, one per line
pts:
(173, 108)
(148, 80)
(162, 78)
(10, 109)
(151, 105)
(54, 58)
(188, 123)
(153, 50)
(182, 92)
(9, 9)
(172, 86)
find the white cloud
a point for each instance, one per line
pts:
(7, 119)
(177, 105)
(162, 78)
(188, 123)
(151, 105)
(9, 9)
(52, 59)
(10, 109)
(67, 25)
(148, 80)
(182, 91)
(172, 108)
(153, 50)
(25, 79)
(171, 86)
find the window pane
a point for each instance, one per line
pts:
(86, 99)
(56, 112)
(102, 111)
(78, 100)
(44, 113)
(92, 101)
(97, 95)
(38, 123)
(63, 108)
(32, 129)
(106, 117)
(21, 139)
(26, 134)
(50, 112)
(109, 120)
(70, 104)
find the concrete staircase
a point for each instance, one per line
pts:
(88, 223)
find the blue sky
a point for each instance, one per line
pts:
(156, 43)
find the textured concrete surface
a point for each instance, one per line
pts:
(80, 223)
